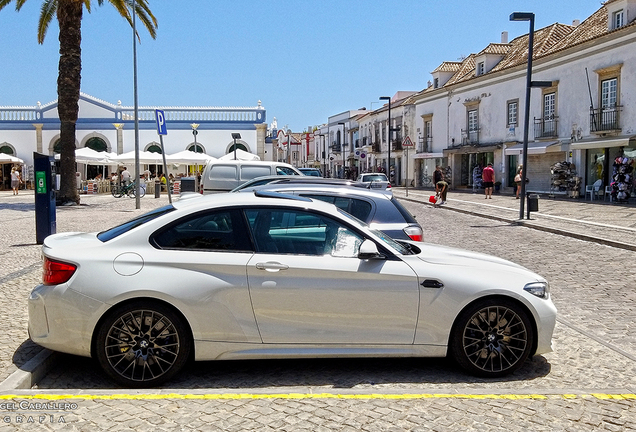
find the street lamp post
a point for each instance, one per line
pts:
(195, 132)
(235, 136)
(527, 16)
(342, 144)
(388, 162)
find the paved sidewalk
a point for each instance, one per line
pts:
(599, 221)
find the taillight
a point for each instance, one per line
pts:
(55, 272)
(415, 233)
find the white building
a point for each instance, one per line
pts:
(103, 126)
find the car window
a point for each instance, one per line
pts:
(374, 177)
(222, 172)
(127, 226)
(283, 170)
(354, 206)
(301, 233)
(211, 230)
(249, 172)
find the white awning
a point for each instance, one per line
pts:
(535, 147)
(622, 141)
(428, 155)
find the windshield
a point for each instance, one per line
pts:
(133, 223)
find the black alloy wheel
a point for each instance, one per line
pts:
(142, 345)
(492, 338)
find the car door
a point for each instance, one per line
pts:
(308, 286)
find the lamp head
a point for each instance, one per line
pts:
(236, 135)
(521, 16)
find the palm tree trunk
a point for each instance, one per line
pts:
(69, 16)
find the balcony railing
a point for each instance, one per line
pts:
(425, 144)
(605, 119)
(376, 147)
(470, 137)
(546, 127)
(396, 144)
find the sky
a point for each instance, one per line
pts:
(304, 60)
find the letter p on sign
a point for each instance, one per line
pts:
(161, 122)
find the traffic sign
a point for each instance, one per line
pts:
(407, 142)
(162, 129)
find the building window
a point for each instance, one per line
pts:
(473, 123)
(513, 109)
(609, 93)
(618, 19)
(481, 69)
(436, 83)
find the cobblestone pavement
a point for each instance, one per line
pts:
(587, 383)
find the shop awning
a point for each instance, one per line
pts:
(428, 155)
(617, 141)
(535, 147)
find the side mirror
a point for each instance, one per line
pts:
(369, 250)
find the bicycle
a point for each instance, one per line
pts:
(427, 180)
(118, 191)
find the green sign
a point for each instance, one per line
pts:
(40, 182)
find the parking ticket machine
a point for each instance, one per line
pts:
(43, 166)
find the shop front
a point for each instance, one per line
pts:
(542, 157)
(424, 167)
(610, 163)
(469, 161)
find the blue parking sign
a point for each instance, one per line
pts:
(161, 122)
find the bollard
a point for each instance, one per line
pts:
(157, 188)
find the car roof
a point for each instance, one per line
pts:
(359, 189)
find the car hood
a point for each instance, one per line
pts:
(445, 255)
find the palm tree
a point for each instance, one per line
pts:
(69, 17)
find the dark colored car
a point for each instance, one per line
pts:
(381, 210)
(305, 179)
(314, 172)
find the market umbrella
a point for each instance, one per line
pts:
(188, 157)
(144, 158)
(5, 158)
(241, 155)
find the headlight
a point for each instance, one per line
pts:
(540, 289)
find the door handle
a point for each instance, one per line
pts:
(432, 283)
(271, 266)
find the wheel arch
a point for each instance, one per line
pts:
(149, 300)
(514, 300)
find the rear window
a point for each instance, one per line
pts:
(134, 223)
(374, 177)
(407, 216)
(249, 172)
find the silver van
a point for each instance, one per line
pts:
(225, 175)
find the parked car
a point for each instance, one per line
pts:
(379, 178)
(315, 172)
(267, 275)
(380, 210)
(225, 175)
(305, 179)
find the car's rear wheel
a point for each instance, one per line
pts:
(142, 344)
(492, 338)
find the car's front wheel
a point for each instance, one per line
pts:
(492, 338)
(142, 344)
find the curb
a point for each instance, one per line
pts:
(530, 224)
(31, 372)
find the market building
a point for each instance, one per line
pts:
(107, 127)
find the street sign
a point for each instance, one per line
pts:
(407, 142)
(162, 129)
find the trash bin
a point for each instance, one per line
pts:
(188, 184)
(533, 203)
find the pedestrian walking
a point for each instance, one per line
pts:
(488, 180)
(15, 180)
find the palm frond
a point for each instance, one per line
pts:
(47, 13)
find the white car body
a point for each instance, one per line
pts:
(251, 304)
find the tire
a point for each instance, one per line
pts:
(142, 344)
(116, 191)
(492, 338)
(131, 192)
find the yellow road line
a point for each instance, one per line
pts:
(230, 396)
